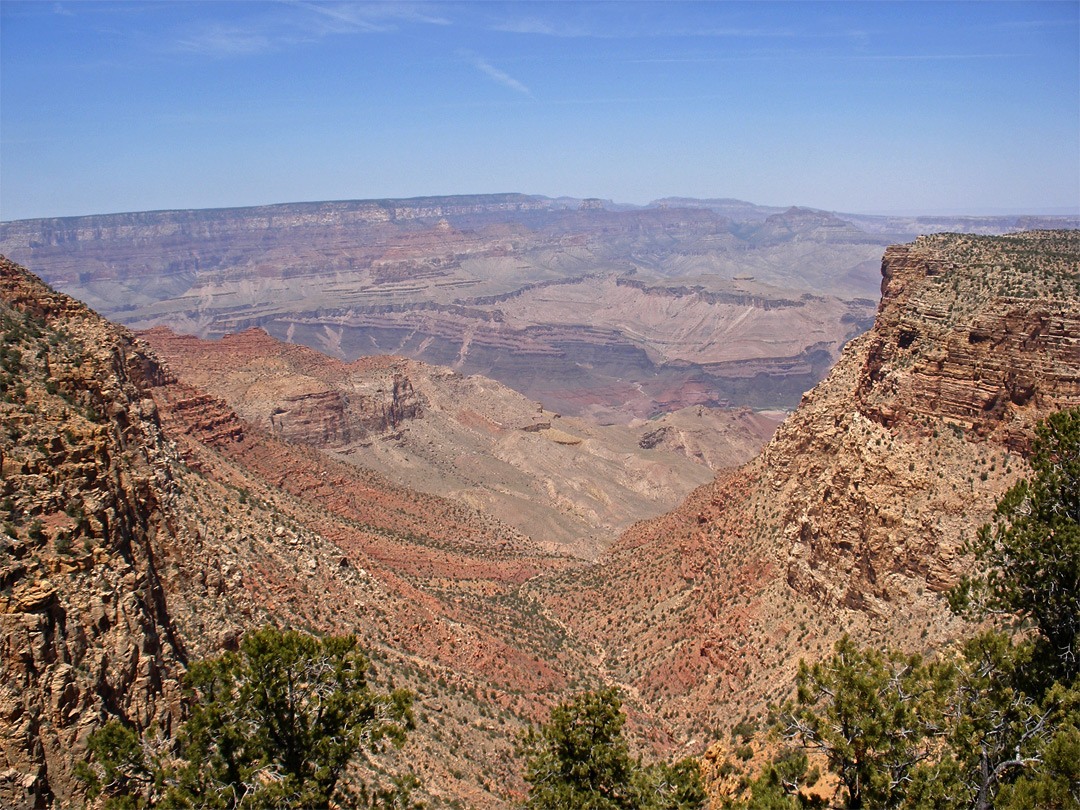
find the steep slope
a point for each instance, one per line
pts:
(146, 525)
(567, 484)
(852, 517)
(86, 474)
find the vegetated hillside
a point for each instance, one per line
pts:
(569, 485)
(610, 313)
(852, 517)
(146, 526)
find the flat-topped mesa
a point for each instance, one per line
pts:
(209, 222)
(976, 332)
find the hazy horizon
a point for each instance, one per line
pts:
(977, 213)
(903, 108)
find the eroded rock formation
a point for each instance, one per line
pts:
(853, 516)
(611, 313)
(570, 485)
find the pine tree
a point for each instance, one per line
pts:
(581, 760)
(274, 725)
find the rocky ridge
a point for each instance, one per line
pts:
(853, 516)
(947, 338)
(87, 476)
(570, 485)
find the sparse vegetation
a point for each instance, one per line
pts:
(275, 725)
(993, 724)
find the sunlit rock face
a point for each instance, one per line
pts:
(853, 517)
(615, 314)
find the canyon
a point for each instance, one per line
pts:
(593, 309)
(570, 485)
(163, 493)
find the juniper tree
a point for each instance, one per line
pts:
(581, 760)
(276, 724)
(1028, 557)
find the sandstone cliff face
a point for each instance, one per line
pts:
(925, 420)
(294, 393)
(853, 516)
(973, 332)
(976, 340)
(85, 471)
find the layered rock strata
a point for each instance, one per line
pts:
(570, 485)
(853, 517)
(146, 525)
(570, 306)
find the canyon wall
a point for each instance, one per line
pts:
(593, 311)
(852, 518)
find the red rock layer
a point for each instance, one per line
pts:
(853, 516)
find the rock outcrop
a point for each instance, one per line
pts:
(293, 392)
(852, 518)
(570, 485)
(87, 474)
(979, 332)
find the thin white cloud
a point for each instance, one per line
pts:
(300, 22)
(225, 40)
(929, 57)
(534, 25)
(505, 79)
(58, 8)
(398, 10)
(565, 29)
(744, 33)
(341, 19)
(1020, 25)
(369, 17)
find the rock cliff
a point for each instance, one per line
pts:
(146, 525)
(852, 517)
(87, 475)
(978, 332)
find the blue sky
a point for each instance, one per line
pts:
(868, 107)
